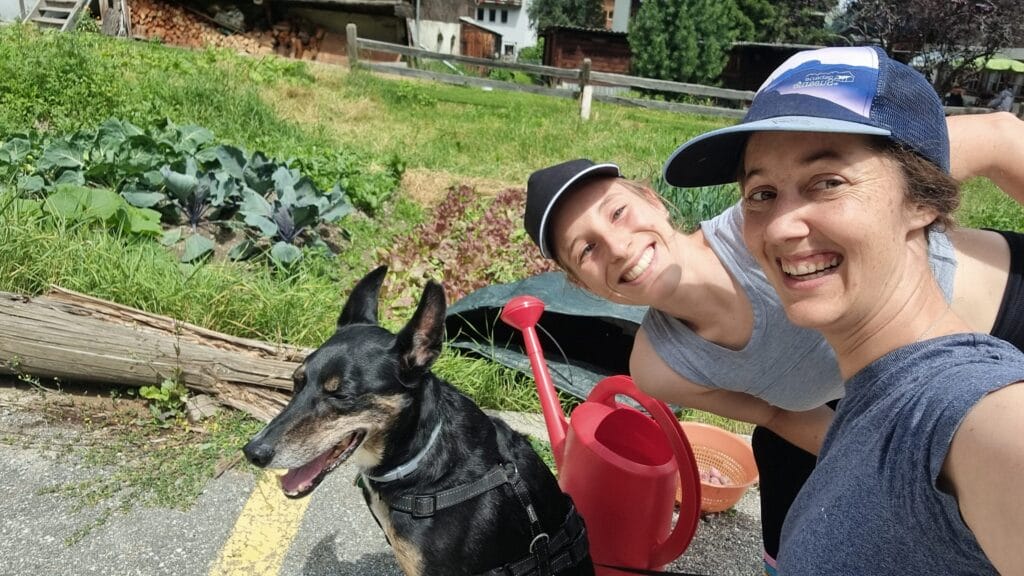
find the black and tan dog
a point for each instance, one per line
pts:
(455, 491)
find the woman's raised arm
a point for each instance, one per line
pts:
(654, 377)
(989, 145)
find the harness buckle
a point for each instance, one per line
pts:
(542, 553)
(542, 540)
(424, 506)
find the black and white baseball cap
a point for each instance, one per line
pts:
(547, 186)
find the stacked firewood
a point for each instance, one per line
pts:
(174, 24)
(297, 38)
(180, 26)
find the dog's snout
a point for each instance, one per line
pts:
(259, 453)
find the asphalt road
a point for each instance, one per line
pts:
(237, 526)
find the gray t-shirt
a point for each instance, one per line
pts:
(873, 505)
(787, 366)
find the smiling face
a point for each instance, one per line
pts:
(615, 238)
(825, 216)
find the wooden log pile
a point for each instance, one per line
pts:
(72, 336)
(182, 26)
(174, 24)
(297, 38)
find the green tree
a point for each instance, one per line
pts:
(684, 40)
(951, 35)
(582, 13)
(788, 21)
(759, 21)
(803, 22)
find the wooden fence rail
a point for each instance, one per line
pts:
(581, 80)
(577, 82)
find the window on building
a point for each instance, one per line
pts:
(492, 13)
(504, 16)
(509, 49)
(480, 14)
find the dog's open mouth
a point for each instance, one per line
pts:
(299, 482)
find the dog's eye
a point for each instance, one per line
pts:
(340, 401)
(299, 378)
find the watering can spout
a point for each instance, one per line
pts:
(522, 314)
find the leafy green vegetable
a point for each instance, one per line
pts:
(97, 205)
(182, 175)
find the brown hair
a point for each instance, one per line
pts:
(927, 184)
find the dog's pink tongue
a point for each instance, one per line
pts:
(298, 479)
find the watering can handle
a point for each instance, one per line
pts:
(689, 507)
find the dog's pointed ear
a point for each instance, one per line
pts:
(419, 342)
(361, 306)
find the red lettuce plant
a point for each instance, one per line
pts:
(469, 241)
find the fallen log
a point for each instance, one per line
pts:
(75, 337)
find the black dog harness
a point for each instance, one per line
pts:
(548, 554)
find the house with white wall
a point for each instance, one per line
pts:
(509, 19)
(11, 10)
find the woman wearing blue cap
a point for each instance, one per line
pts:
(716, 337)
(843, 165)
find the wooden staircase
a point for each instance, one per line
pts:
(56, 14)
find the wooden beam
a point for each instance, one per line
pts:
(565, 73)
(467, 80)
(671, 106)
(669, 86)
(75, 337)
(353, 45)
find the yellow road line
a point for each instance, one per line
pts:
(263, 532)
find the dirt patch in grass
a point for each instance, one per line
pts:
(100, 408)
(428, 187)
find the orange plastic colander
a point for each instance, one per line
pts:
(731, 459)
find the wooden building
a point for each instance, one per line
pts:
(478, 41)
(750, 63)
(566, 47)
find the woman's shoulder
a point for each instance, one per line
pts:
(985, 457)
(731, 218)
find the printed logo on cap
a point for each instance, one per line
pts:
(847, 77)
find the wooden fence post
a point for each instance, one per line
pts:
(353, 47)
(586, 90)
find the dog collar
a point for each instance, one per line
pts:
(409, 467)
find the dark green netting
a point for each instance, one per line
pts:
(594, 337)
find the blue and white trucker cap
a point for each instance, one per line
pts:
(855, 90)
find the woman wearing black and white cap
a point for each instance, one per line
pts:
(717, 338)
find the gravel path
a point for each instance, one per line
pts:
(337, 536)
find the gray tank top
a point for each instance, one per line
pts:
(872, 505)
(787, 366)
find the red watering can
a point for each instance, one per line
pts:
(620, 466)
